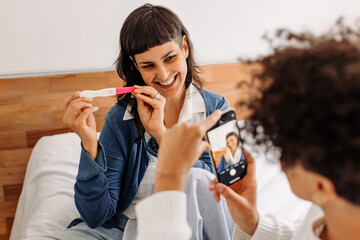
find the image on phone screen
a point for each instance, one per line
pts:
(227, 150)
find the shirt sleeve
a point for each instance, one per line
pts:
(97, 186)
(269, 227)
(162, 216)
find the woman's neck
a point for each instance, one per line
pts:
(342, 220)
(173, 108)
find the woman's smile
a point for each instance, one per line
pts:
(169, 83)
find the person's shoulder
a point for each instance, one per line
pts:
(214, 100)
(211, 95)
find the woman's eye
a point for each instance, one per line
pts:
(147, 66)
(169, 58)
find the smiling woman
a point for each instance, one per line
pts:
(117, 171)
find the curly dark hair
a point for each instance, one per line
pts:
(146, 27)
(311, 109)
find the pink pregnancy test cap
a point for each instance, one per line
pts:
(124, 90)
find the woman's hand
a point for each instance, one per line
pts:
(80, 118)
(182, 145)
(151, 110)
(241, 198)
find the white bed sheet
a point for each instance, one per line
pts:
(46, 202)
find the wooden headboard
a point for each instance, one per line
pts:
(32, 107)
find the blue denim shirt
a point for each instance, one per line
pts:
(105, 187)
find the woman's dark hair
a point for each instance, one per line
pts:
(232, 134)
(311, 110)
(146, 27)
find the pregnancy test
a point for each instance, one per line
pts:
(106, 92)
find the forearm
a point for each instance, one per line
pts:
(169, 181)
(269, 227)
(92, 197)
(91, 147)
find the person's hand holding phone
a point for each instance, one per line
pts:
(241, 198)
(182, 145)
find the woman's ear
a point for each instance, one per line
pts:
(324, 191)
(135, 64)
(185, 46)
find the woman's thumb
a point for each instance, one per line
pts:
(226, 191)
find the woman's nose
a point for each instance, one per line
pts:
(162, 73)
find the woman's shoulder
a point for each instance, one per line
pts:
(215, 100)
(212, 95)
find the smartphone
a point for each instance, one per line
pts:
(226, 149)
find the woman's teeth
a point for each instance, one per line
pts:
(168, 82)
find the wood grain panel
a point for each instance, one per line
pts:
(14, 157)
(7, 210)
(77, 82)
(24, 86)
(12, 175)
(3, 227)
(12, 140)
(11, 103)
(12, 192)
(33, 136)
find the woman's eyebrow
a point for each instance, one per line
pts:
(167, 54)
(161, 58)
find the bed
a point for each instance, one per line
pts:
(46, 202)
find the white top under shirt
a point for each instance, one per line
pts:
(162, 216)
(192, 112)
(237, 156)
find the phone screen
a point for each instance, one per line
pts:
(226, 149)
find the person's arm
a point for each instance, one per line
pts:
(98, 182)
(163, 215)
(269, 227)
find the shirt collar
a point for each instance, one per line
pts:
(193, 103)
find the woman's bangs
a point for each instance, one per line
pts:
(152, 35)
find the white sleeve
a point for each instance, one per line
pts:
(269, 227)
(163, 216)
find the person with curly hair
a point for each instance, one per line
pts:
(309, 109)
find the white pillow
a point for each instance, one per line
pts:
(46, 202)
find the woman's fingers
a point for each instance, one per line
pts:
(146, 90)
(250, 165)
(210, 121)
(74, 109)
(226, 191)
(76, 98)
(158, 102)
(85, 113)
(71, 98)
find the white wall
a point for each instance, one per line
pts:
(55, 36)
